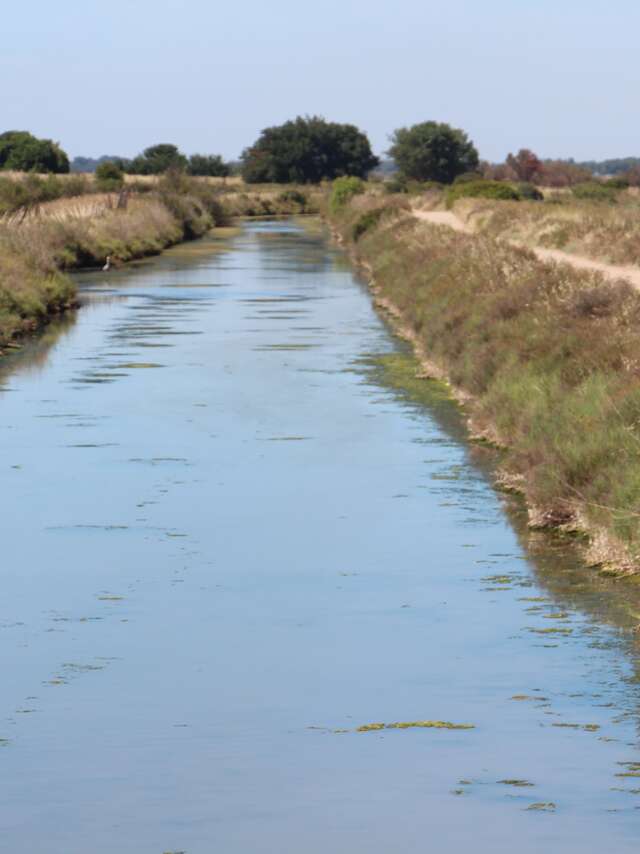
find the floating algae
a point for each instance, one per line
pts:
(414, 725)
(551, 631)
(586, 727)
(525, 697)
(520, 784)
(543, 807)
(632, 769)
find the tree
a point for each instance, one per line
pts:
(307, 150)
(562, 173)
(433, 151)
(525, 164)
(157, 159)
(208, 164)
(23, 152)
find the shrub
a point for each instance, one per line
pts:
(211, 165)
(528, 192)
(397, 184)
(617, 183)
(595, 192)
(482, 189)
(365, 222)
(468, 177)
(295, 197)
(343, 190)
(109, 176)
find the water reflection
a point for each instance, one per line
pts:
(260, 584)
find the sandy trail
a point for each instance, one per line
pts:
(610, 271)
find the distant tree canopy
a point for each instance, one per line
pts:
(23, 152)
(90, 164)
(157, 159)
(307, 150)
(433, 151)
(208, 164)
(614, 166)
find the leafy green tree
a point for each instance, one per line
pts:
(157, 159)
(433, 151)
(208, 164)
(23, 152)
(307, 150)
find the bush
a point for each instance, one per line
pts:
(109, 176)
(468, 177)
(617, 183)
(295, 197)
(593, 191)
(211, 165)
(343, 190)
(367, 221)
(482, 190)
(528, 192)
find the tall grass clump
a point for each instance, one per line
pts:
(342, 190)
(548, 356)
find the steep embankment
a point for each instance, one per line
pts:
(547, 358)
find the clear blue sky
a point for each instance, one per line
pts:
(559, 76)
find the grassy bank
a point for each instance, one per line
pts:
(36, 249)
(52, 225)
(547, 359)
(606, 230)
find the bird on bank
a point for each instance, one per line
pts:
(107, 266)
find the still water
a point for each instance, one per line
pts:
(230, 540)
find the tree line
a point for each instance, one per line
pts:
(311, 149)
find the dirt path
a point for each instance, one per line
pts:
(611, 271)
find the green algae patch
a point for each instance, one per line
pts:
(414, 725)
(551, 631)
(549, 806)
(519, 784)
(131, 365)
(585, 727)
(529, 697)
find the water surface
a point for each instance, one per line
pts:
(232, 535)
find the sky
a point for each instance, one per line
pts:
(561, 77)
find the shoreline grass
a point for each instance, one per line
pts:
(546, 357)
(50, 226)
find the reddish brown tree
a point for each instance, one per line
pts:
(525, 164)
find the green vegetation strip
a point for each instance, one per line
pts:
(414, 725)
(544, 356)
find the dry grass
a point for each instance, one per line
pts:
(548, 356)
(601, 231)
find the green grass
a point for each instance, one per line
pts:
(550, 357)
